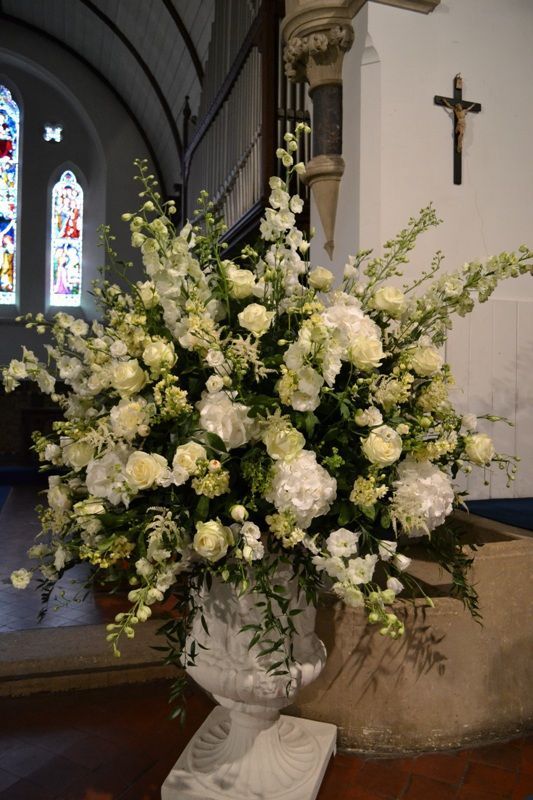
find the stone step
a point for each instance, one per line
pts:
(77, 657)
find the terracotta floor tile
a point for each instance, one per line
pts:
(448, 768)
(506, 756)
(422, 788)
(383, 779)
(480, 793)
(493, 779)
(120, 745)
(523, 789)
(92, 751)
(526, 760)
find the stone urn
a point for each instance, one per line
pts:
(245, 750)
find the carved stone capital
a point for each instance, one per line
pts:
(317, 33)
(318, 56)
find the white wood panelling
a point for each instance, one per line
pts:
(524, 399)
(491, 355)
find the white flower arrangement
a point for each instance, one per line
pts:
(226, 416)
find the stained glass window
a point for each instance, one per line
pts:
(66, 241)
(9, 153)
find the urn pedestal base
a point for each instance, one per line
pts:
(237, 757)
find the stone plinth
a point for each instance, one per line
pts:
(450, 681)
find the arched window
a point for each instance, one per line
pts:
(9, 155)
(66, 242)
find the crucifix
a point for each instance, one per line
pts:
(459, 108)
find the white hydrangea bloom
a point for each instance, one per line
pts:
(220, 414)
(303, 487)
(346, 317)
(423, 497)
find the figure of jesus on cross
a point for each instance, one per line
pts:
(460, 108)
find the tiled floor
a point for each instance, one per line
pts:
(118, 744)
(19, 609)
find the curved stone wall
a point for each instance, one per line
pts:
(450, 681)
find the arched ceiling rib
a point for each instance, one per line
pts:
(152, 53)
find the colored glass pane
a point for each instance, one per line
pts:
(9, 152)
(66, 241)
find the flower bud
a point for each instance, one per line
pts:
(238, 513)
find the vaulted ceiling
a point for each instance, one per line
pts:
(151, 52)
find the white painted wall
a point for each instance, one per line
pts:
(398, 152)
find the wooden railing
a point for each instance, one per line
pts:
(247, 105)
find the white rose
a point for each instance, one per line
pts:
(390, 300)
(241, 282)
(214, 383)
(256, 319)
(321, 279)
(285, 442)
(118, 348)
(426, 360)
(479, 449)
(148, 294)
(20, 578)
(159, 355)
(78, 454)
(214, 358)
(144, 469)
(383, 446)
(221, 415)
(187, 457)
(212, 539)
(127, 377)
(365, 353)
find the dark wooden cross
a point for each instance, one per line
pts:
(460, 109)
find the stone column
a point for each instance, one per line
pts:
(317, 34)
